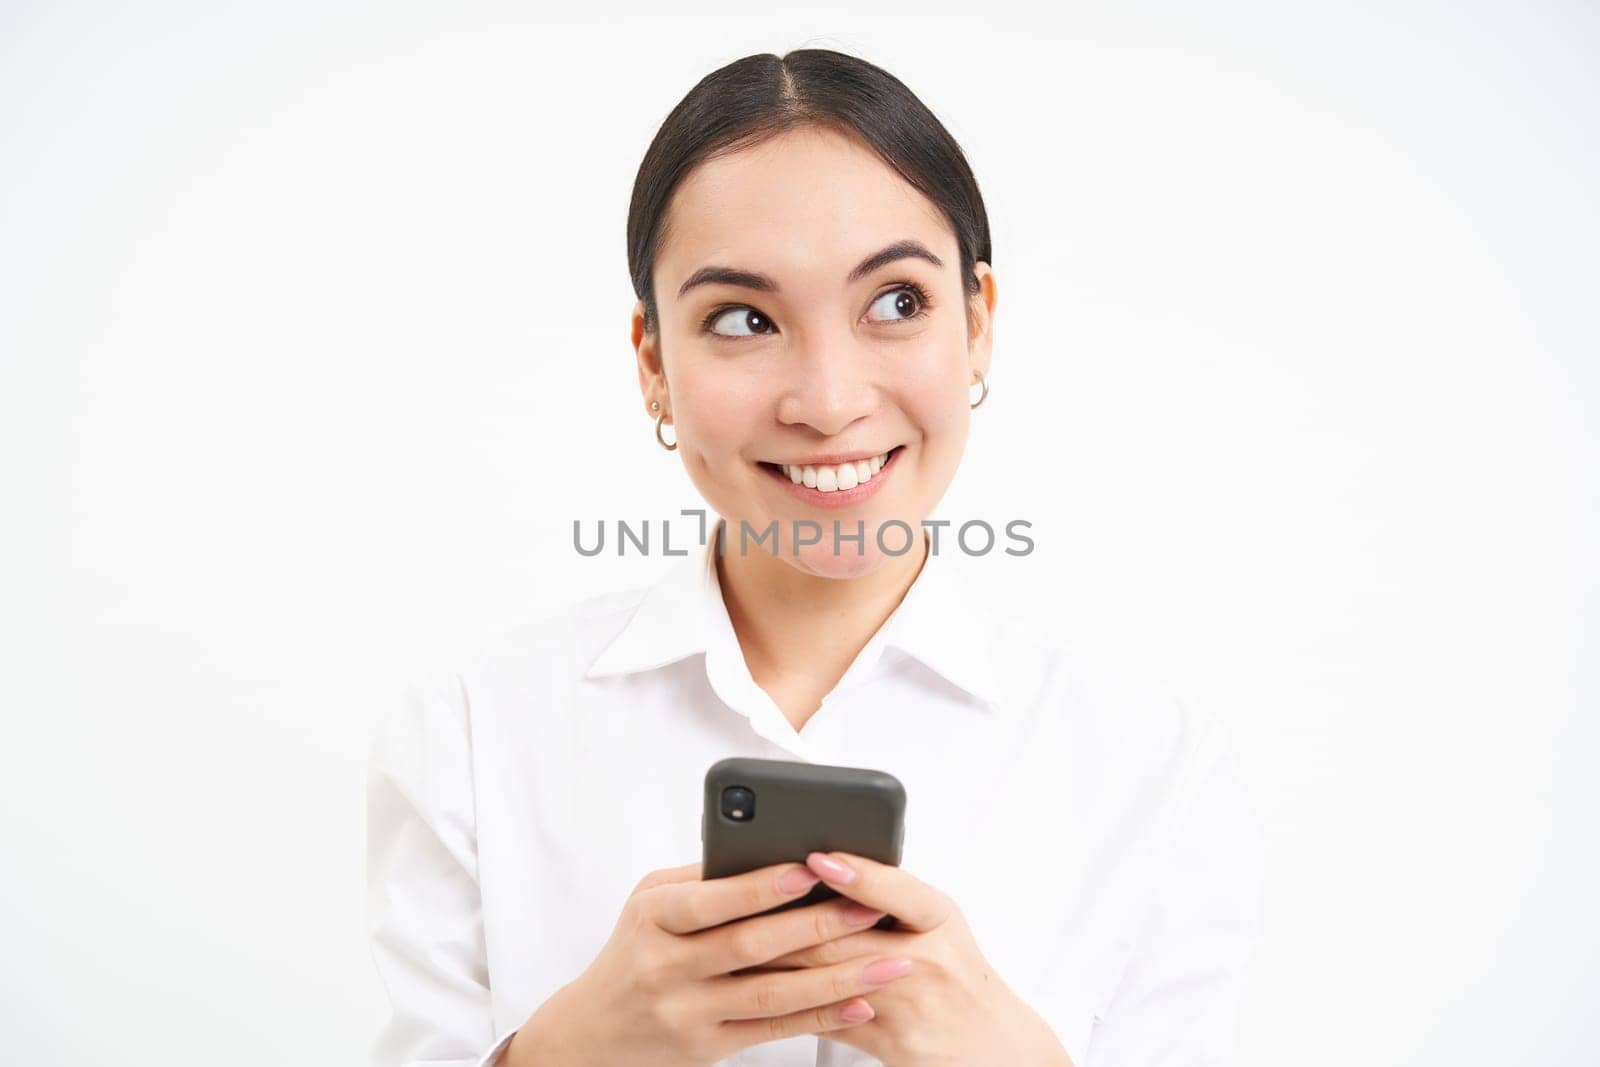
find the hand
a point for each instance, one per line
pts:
(951, 1008)
(661, 990)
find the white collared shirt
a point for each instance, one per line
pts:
(1094, 836)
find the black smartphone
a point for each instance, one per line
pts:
(759, 812)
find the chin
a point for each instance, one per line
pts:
(819, 559)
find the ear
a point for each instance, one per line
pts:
(980, 338)
(652, 373)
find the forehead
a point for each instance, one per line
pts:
(804, 206)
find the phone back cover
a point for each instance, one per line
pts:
(801, 808)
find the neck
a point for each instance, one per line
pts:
(800, 632)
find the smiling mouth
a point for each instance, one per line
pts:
(829, 478)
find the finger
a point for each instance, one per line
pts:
(690, 906)
(915, 904)
(849, 947)
(742, 1033)
(765, 937)
(763, 996)
(666, 876)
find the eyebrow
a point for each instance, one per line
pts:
(907, 249)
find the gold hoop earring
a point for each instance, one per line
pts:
(983, 382)
(674, 445)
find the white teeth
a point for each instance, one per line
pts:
(844, 476)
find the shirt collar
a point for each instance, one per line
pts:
(939, 623)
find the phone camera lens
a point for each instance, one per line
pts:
(738, 803)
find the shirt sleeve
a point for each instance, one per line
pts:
(425, 918)
(1176, 1003)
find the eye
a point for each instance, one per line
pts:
(742, 320)
(907, 298)
(752, 320)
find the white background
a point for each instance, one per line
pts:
(313, 344)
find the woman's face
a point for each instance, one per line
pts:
(815, 362)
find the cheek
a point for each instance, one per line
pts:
(936, 399)
(718, 413)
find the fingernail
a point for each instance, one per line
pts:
(830, 868)
(857, 1011)
(797, 879)
(857, 914)
(880, 971)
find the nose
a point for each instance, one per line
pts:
(828, 386)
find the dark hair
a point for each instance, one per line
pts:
(760, 96)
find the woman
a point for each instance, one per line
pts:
(1080, 872)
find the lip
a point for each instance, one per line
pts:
(832, 459)
(839, 498)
